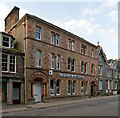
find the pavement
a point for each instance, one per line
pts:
(14, 108)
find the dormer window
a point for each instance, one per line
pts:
(12, 43)
(6, 42)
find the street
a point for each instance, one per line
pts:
(98, 107)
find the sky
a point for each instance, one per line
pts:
(93, 21)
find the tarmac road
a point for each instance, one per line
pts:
(99, 107)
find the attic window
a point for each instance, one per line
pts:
(6, 42)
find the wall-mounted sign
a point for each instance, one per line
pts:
(70, 76)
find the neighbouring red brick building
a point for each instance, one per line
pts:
(57, 63)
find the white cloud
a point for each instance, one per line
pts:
(78, 27)
(110, 35)
(90, 11)
(113, 15)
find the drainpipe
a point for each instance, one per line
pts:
(24, 30)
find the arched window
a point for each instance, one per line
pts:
(38, 58)
(92, 69)
(85, 67)
(82, 67)
(52, 61)
(69, 64)
(73, 65)
(57, 62)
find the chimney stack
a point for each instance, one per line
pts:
(11, 18)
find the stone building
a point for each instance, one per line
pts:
(58, 64)
(12, 78)
(113, 74)
(102, 64)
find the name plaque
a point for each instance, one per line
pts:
(71, 76)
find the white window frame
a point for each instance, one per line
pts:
(9, 41)
(9, 64)
(39, 33)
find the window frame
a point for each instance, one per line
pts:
(85, 67)
(39, 60)
(52, 61)
(52, 38)
(100, 70)
(58, 62)
(73, 45)
(73, 87)
(69, 44)
(100, 85)
(69, 64)
(73, 65)
(57, 39)
(38, 32)
(52, 87)
(9, 64)
(3, 39)
(69, 87)
(82, 66)
(58, 87)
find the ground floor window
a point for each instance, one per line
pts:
(58, 87)
(69, 87)
(100, 85)
(73, 87)
(52, 87)
(86, 88)
(82, 85)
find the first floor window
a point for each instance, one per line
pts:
(82, 67)
(100, 85)
(52, 61)
(73, 87)
(57, 62)
(92, 69)
(12, 63)
(38, 58)
(52, 87)
(85, 67)
(86, 88)
(69, 64)
(82, 49)
(73, 65)
(4, 62)
(58, 87)
(69, 87)
(100, 70)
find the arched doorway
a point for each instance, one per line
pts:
(93, 89)
(39, 82)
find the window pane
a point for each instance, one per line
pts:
(69, 64)
(52, 38)
(73, 65)
(82, 67)
(73, 87)
(69, 44)
(37, 32)
(52, 87)
(5, 41)
(38, 58)
(52, 61)
(4, 62)
(69, 87)
(57, 40)
(12, 63)
(58, 87)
